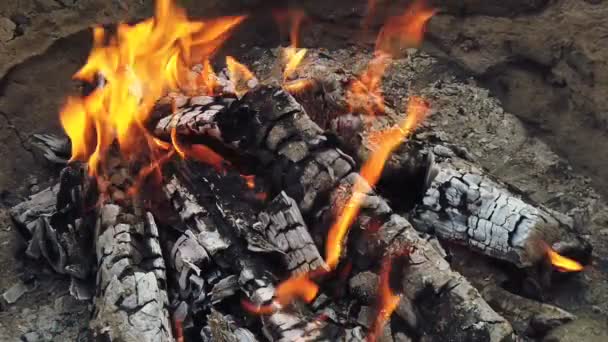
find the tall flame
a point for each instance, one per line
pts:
(387, 141)
(138, 64)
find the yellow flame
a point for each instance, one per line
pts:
(138, 64)
(293, 57)
(562, 263)
(239, 74)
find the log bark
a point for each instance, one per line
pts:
(486, 215)
(301, 160)
(465, 205)
(209, 215)
(284, 226)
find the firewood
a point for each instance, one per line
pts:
(284, 226)
(511, 233)
(131, 300)
(466, 205)
(54, 223)
(308, 166)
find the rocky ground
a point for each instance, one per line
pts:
(42, 42)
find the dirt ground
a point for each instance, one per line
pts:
(32, 91)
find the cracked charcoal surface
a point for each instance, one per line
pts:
(273, 122)
(284, 226)
(466, 206)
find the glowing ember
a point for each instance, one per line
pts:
(370, 172)
(387, 301)
(249, 180)
(560, 262)
(138, 64)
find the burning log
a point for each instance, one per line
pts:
(215, 237)
(466, 205)
(486, 215)
(131, 301)
(302, 161)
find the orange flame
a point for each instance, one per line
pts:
(200, 153)
(560, 262)
(406, 30)
(387, 301)
(370, 172)
(208, 79)
(138, 64)
(239, 74)
(365, 93)
(298, 287)
(399, 32)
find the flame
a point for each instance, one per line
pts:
(298, 85)
(239, 74)
(292, 57)
(207, 79)
(370, 172)
(198, 152)
(560, 262)
(387, 301)
(249, 181)
(138, 64)
(406, 30)
(298, 287)
(365, 93)
(295, 17)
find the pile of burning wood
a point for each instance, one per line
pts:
(236, 210)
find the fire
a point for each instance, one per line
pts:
(138, 65)
(298, 287)
(365, 93)
(293, 57)
(387, 141)
(560, 262)
(407, 30)
(240, 75)
(387, 301)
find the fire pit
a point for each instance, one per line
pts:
(285, 194)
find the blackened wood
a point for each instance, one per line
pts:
(131, 303)
(283, 225)
(131, 300)
(57, 226)
(56, 149)
(479, 212)
(308, 166)
(464, 204)
(214, 209)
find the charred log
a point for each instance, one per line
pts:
(304, 162)
(131, 301)
(463, 204)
